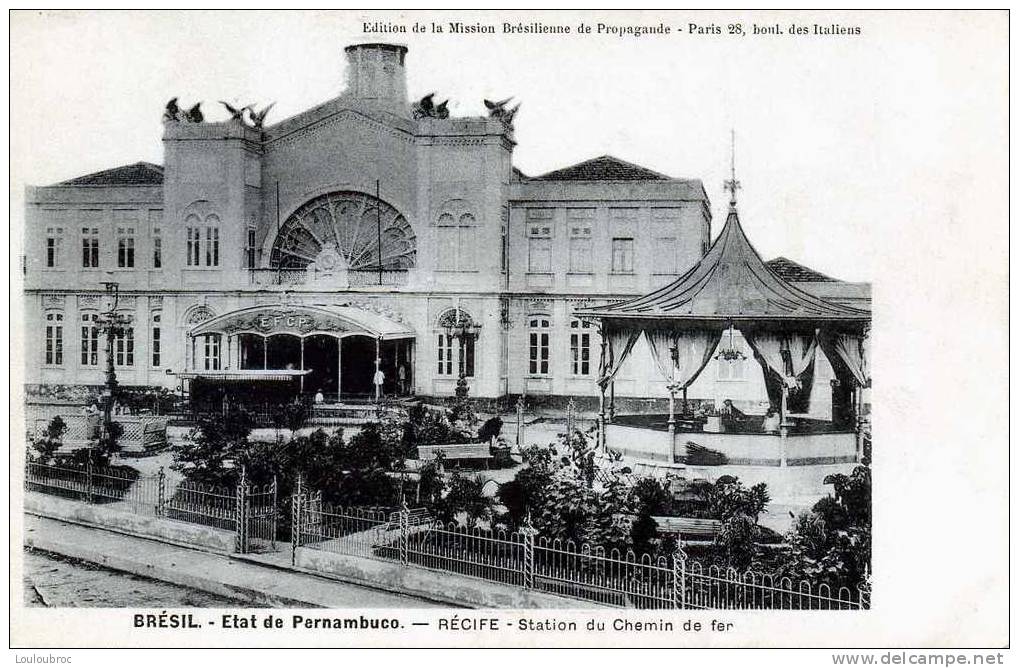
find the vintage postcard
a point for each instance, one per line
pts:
(506, 329)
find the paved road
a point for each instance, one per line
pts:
(77, 584)
(57, 582)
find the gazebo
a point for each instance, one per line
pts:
(732, 287)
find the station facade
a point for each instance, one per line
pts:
(366, 234)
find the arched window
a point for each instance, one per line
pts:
(202, 230)
(54, 339)
(89, 339)
(539, 349)
(580, 347)
(455, 340)
(455, 235)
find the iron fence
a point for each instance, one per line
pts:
(526, 560)
(413, 539)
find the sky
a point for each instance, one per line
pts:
(841, 142)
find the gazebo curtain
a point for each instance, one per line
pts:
(851, 349)
(694, 349)
(619, 342)
(786, 353)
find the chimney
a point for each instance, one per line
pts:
(376, 75)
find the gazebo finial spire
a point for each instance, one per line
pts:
(732, 185)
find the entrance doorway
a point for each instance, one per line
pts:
(357, 366)
(322, 359)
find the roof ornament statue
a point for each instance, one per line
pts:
(258, 117)
(174, 113)
(498, 111)
(731, 184)
(426, 108)
(235, 113)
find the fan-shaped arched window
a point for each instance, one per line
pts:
(354, 224)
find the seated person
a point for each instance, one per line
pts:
(771, 421)
(733, 419)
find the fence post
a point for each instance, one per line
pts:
(275, 515)
(89, 472)
(528, 532)
(679, 576)
(404, 532)
(296, 515)
(241, 513)
(161, 497)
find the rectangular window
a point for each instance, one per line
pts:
(468, 353)
(622, 255)
(467, 249)
(538, 348)
(157, 248)
(157, 342)
(53, 240)
(445, 355)
(123, 346)
(733, 369)
(580, 249)
(54, 338)
(540, 225)
(194, 252)
(580, 348)
(125, 247)
(90, 247)
(211, 352)
(539, 254)
(448, 239)
(504, 250)
(665, 255)
(211, 246)
(89, 339)
(251, 253)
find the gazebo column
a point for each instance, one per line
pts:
(229, 351)
(783, 432)
(601, 420)
(339, 369)
(378, 366)
(302, 364)
(265, 353)
(612, 401)
(672, 420)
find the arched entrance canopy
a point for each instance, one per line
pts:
(304, 321)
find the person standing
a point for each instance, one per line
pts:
(380, 378)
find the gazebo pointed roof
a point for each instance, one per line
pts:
(730, 283)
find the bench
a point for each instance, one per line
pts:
(689, 526)
(455, 451)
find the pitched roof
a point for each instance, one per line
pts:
(138, 174)
(797, 273)
(731, 282)
(604, 168)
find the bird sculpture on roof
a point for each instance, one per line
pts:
(194, 114)
(172, 112)
(426, 108)
(258, 117)
(235, 113)
(498, 111)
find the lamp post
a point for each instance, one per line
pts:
(111, 324)
(462, 328)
